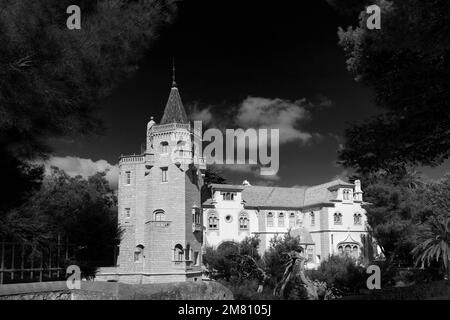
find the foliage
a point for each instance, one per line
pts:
(52, 78)
(434, 243)
(234, 261)
(340, 272)
(393, 212)
(81, 210)
(277, 257)
(212, 176)
(422, 291)
(248, 290)
(399, 210)
(407, 65)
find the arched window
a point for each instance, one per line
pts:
(196, 215)
(213, 221)
(228, 196)
(164, 147)
(340, 250)
(348, 250)
(347, 194)
(270, 219)
(180, 147)
(188, 252)
(292, 220)
(138, 253)
(159, 215)
(337, 218)
(357, 219)
(355, 252)
(281, 219)
(243, 221)
(312, 215)
(178, 253)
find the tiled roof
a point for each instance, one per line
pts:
(255, 196)
(273, 197)
(174, 111)
(321, 193)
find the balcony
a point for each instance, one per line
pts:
(185, 264)
(197, 227)
(131, 159)
(170, 127)
(159, 224)
(149, 160)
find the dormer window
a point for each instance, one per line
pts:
(228, 196)
(347, 194)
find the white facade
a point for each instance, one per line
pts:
(330, 216)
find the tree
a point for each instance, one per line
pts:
(80, 210)
(52, 78)
(277, 257)
(394, 208)
(212, 176)
(406, 63)
(434, 244)
(234, 262)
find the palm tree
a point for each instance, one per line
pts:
(435, 244)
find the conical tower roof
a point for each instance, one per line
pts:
(174, 112)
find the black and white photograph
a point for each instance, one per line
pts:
(226, 155)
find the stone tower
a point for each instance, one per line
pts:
(160, 203)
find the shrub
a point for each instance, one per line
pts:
(342, 273)
(248, 290)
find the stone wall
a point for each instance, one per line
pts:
(202, 290)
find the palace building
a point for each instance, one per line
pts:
(166, 227)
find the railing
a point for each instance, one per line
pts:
(183, 264)
(196, 227)
(170, 127)
(20, 262)
(132, 159)
(159, 224)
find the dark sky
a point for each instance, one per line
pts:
(228, 50)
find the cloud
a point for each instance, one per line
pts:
(263, 113)
(248, 171)
(204, 115)
(74, 166)
(257, 112)
(343, 175)
(323, 101)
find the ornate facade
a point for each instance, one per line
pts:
(166, 226)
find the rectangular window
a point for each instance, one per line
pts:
(196, 260)
(128, 178)
(163, 174)
(270, 220)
